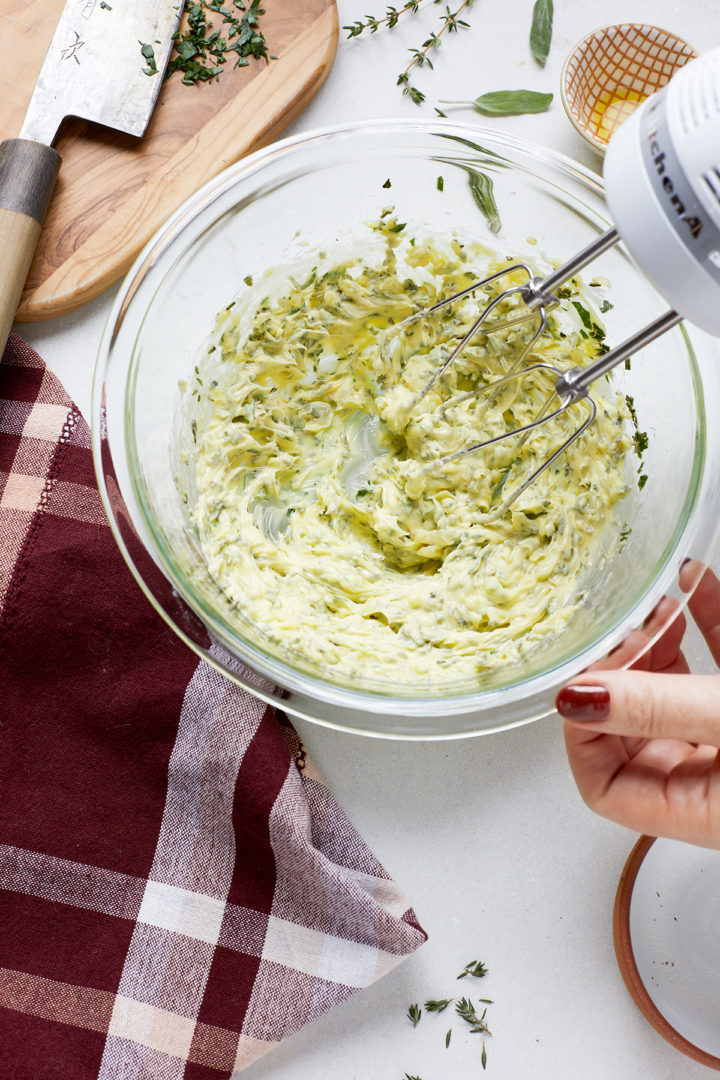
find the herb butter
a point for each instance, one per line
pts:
(322, 506)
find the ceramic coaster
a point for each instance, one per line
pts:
(666, 928)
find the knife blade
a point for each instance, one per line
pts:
(94, 69)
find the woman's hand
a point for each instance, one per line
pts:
(644, 744)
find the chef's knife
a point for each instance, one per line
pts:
(95, 69)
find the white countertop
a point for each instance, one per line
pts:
(488, 837)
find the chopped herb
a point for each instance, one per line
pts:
(641, 442)
(642, 481)
(387, 183)
(440, 184)
(201, 49)
(248, 279)
(483, 1057)
(448, 1037)
(605, 306)
(148, 53)
(397, 228)
(441, 113)
(104, 6)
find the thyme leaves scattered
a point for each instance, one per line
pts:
(465, 1010)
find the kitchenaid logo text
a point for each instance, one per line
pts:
(657, 154)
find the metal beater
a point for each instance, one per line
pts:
(662, 177)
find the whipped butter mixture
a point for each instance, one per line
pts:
(323, 505)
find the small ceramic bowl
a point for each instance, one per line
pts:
(611, 71)
(665, 928)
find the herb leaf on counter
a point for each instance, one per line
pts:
(508, 102)
(413, 1014)
(541, 30)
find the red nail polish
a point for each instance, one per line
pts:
(583, 702)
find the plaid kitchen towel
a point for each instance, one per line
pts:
(178, 890)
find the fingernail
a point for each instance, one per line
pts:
(583, 702)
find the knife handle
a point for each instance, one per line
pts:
(28, 171)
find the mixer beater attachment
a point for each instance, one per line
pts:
(571, 386)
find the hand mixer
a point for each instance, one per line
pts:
(662, 180)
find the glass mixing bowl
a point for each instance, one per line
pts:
(277, 208)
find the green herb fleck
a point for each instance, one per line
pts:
(448, 1037)
(148, 53)
(248, 279)
(387, 183)
(605, 306)
(440, 184)
(483, 1057)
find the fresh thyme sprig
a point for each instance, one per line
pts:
(475, 968)
(466, 1011)
(437, 1006)
(390, 19)
(449, 23)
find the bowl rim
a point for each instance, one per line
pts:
(163, 238)
(625, 955)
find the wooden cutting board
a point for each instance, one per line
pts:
(114, 190)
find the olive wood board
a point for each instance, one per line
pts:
(114, 190)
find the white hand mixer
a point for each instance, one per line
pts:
(662, 181)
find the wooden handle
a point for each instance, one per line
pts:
(28, 171)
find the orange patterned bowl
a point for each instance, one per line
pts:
(611, 71)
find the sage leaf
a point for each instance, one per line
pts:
(481, 187)
(541, 30)
(509, 102)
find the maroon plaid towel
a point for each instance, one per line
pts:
(178, 891)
